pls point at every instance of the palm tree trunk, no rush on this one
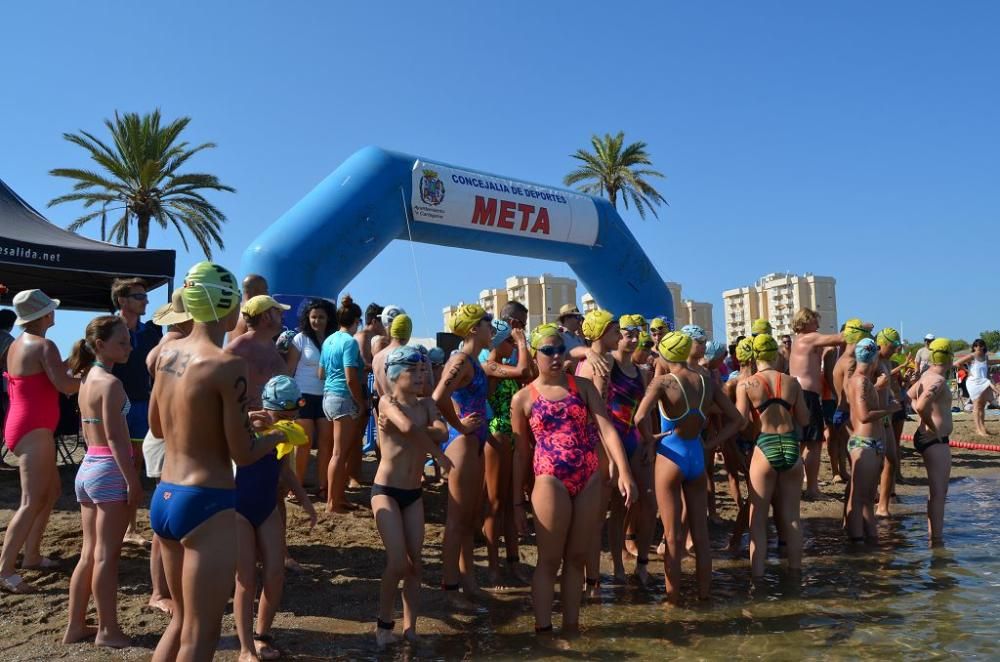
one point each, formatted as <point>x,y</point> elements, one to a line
<point>613,197</point>
<point>142,225</point>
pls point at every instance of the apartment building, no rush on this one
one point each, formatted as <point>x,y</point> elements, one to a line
<point>543,296</point>
<point>686,311</point>
<point>776,297</point>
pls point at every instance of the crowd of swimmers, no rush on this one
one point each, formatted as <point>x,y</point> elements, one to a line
<point>559,430</point>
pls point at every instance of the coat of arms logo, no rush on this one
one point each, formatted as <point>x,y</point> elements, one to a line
<point>431,188</point>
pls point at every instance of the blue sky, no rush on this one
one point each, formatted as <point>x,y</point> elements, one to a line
<point>857,140</point>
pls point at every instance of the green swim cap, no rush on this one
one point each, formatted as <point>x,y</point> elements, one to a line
<point>744,350</point>
<point>675,347</point>
<point>941,351</point>
<point>888,336</point>
<point>465,318</point>
<point>765,347</point>
<point>596,323</point>
<point>760,326</point>
<point>541,332</point>
<point>210,292</point>
<point>401,327</point>
<point>854,331</point>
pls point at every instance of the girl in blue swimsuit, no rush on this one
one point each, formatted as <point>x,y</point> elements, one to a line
<point>682,396</point>
<point>461,399</point>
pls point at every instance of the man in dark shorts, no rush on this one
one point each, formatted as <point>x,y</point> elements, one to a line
<point>130,299</point>
<point>805,364</point>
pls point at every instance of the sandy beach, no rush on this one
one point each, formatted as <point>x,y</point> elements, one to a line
<point>329,610</point>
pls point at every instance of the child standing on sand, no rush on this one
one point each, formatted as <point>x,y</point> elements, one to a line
<point>410,429</point>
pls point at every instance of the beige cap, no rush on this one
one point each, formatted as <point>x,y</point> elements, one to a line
<point>569,310</point>
<point>173,312</point>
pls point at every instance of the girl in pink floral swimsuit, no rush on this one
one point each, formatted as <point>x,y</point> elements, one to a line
<point>564,438</point>
<point>556,414</point>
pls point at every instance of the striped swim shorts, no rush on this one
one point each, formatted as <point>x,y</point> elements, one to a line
<point>99,480</point>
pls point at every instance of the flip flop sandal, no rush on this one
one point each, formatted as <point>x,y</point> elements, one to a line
<point>268,651</point>
<point>15,584</point>
<point>45,564</point>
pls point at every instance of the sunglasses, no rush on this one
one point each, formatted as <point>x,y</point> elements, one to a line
<point>514,323</point>
<point>552,350</point>
<point>138,296</point>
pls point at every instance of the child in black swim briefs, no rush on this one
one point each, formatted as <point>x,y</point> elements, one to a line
<point>410,430</point>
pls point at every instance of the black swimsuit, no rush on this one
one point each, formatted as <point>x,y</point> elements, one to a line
<point>404,498</point>
<point>923,444</point>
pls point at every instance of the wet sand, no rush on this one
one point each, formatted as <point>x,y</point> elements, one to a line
<point>329,610</point>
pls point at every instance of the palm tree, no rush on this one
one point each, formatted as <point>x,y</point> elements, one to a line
<point>139,178</point>
<point>612,170</point>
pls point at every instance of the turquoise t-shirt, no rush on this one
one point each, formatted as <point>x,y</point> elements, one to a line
<point>339,351</point>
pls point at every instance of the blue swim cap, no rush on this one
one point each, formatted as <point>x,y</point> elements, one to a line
<point>281,393</point>
<point>714,349</point>
<point>694,332</point>
<point>865,350</point>
<point>501,331</point>
<point>400,359</point>
<point>436,355</point>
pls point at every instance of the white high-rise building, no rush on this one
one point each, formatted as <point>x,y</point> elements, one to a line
<point>776,297</point>
<point>686,311</point>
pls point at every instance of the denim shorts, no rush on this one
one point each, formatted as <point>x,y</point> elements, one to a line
<point>338,406</point>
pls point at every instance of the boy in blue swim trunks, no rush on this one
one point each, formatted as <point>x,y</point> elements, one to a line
<point>260,525</point>
<point>199,406</point>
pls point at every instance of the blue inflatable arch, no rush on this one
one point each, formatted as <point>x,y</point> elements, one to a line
<point>375,196</point>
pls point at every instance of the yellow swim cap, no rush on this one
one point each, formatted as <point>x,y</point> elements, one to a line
<point>760,326</point>
<point>854,330</point>
<point>465,319</point>
<point>595,323</point>
<point>401,327</point>
<point>645,340</point>
<point>941,352</point>
<point>744,350</point>
<point>295,435</point>
<point>659,323</point>
<point>675,347</point>
<point>632,322</point>
<point>541,332</point>
<point>888,336</point>
<point>765,347</point>
<point>210,292</point>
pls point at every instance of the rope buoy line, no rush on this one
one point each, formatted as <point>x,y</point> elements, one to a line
<point>958,443</point>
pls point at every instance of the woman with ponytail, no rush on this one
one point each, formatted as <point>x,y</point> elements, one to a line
<point>341,366</point>
<point>107,483</point>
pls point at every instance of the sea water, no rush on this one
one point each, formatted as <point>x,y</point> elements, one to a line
<point>900,599</point>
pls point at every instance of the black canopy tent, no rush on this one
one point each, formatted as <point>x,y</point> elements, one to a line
<point>78,271</point>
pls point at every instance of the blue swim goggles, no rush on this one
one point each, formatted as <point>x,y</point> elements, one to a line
<point>405,355</point>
